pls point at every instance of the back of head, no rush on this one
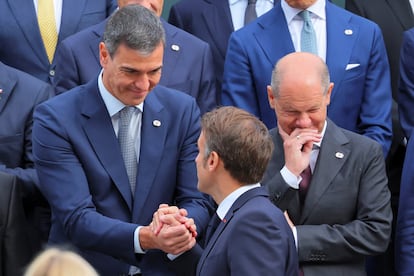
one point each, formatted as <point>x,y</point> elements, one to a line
<point>136,27</point>
<point>241,140</point>
<point>58,262</point>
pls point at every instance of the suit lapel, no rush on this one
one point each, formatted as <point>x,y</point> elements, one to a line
<point>7,85</point>
<point>333,154</point>
<point>403,12</point>
<point>29,26</point>
<point>153,138</point>
<point>226,221</point>
<point>99,130</point>
<point>72,11</point>
<point>339,32</point>
<point>273,36</point>
<point>218,17</point>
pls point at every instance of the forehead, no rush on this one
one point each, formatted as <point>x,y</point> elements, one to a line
<point>125,55</point>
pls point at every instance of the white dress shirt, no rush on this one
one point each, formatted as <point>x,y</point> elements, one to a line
<point>238,8</point>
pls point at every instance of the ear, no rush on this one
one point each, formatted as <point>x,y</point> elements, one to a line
<point>271,97</point>
<point>328,94</point>
<point>213,161</point>
<point>103,55</point>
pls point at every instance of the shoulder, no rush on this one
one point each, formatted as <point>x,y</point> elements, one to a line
<point>176,34</point>
<point>170,98</point>
<point>27,85</point>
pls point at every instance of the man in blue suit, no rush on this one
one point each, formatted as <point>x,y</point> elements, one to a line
<point>21,43</point>
<point>187,66</point>
<point>352,47</point>
<point>248,235</point>
<point>20,93</point>
<point>81,165</point>
<point>212,21</point>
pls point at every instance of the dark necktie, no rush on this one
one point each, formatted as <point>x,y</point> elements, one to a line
<point>308,35</point>
<point>304,184</point>
<point>211,228</point>
<point>127,143</point>
<point>250,13</point>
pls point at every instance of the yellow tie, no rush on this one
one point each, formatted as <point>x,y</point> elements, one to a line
<point>47,26</point>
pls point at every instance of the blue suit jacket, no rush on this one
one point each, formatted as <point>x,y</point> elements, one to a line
<point>21,94</point>
<point>404,247</point>
<point>406,88</point>
<point>82,174</point>
<point>254,239</point>
<point>187,64</point>
<point>209,20</point>
<point>21,43</point>
<point>361,98</point>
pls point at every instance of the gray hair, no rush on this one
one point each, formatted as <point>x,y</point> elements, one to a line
<point>136,27</point>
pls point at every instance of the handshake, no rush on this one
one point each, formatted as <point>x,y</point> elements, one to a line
<point>170,231</point>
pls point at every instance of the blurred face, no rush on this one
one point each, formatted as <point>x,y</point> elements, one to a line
<point>300,4</point>
<point>300,104</point>
<point>129,76</point>
<point>153,5</point>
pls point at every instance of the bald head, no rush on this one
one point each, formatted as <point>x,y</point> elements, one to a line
<point>300,68</point>
<point>300,92</point>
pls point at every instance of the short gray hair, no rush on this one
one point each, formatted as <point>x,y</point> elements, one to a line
<point>136,27</point>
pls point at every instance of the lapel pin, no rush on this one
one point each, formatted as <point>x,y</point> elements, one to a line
<point>175,47</point>
<point>224,220</point>
<point>156,123</point>
<point>1,91</point>
<point>339,155</point>
<point>348,32</point>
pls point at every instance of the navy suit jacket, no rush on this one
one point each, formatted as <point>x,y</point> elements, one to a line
<point>254,239</point>
<point>404,247</point>
<point>346,214</point>
<point>406,88</point>
<point>187,64</point>
<point>21,43</point>
<point>361,97</point>
<point>209,20</point>
<point>82,174</point>
<point>21,94</point>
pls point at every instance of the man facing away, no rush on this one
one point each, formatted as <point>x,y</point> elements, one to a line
<point>247,235</point>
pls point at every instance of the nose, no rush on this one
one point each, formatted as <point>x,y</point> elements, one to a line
<point>142,82</point>
<point>303,120</point>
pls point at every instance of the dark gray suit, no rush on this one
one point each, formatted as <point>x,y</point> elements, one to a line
<point>347,213</point>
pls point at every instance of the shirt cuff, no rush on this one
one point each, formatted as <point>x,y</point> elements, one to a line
<point>291,179</point>
<point>137,246</point>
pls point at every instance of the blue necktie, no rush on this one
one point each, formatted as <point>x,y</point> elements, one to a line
<point>250,13</point>
<point>307,36</point>
<point>127,143</point>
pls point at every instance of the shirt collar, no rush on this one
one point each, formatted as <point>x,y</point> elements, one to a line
<point>318,9</point>
<point>113,105</point>
<point>226,204</point>
<point>323,134</point>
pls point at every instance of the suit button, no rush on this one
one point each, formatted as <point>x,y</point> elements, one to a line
<point>52,72</point>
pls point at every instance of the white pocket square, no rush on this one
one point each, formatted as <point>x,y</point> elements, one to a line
<point>351,66</point>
